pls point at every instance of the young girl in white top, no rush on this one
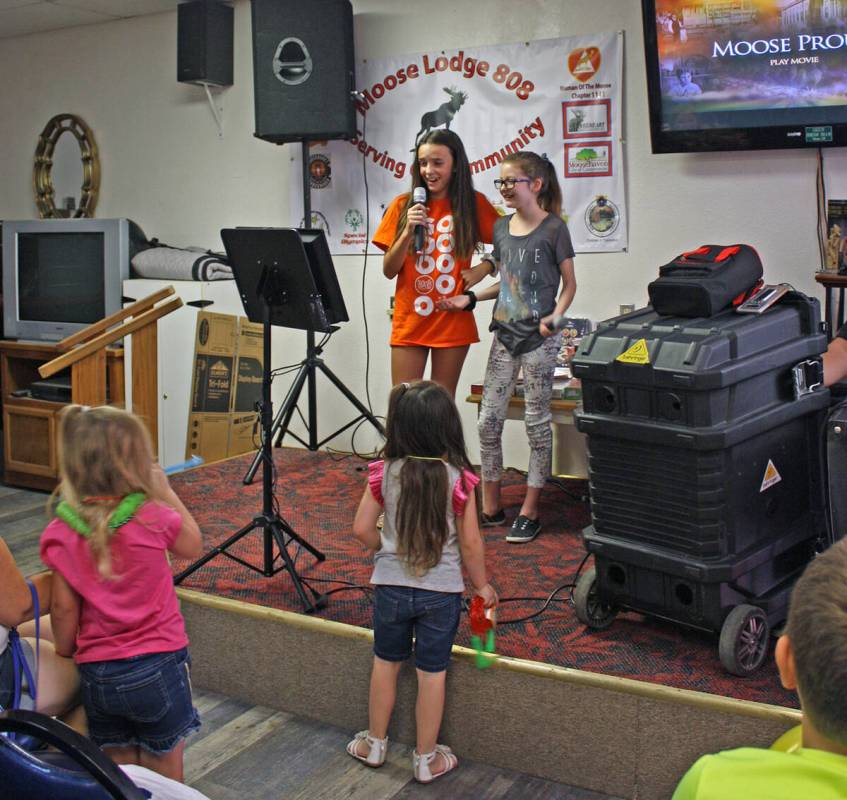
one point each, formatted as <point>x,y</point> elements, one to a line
<point>425,487</point>
<point>535,255</point>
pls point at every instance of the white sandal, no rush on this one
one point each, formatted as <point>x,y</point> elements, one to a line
<point>422,761</point>
<point>377,749</point>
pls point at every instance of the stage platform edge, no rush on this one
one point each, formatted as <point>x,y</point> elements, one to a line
<point>613,735</point>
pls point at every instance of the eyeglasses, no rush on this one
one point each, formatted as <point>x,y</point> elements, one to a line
<point>509,183</point>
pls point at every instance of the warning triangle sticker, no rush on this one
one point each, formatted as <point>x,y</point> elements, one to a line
<point>772,477</point>
<point>636,354</point>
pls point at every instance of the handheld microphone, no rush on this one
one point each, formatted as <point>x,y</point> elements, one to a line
<point>419,196</point>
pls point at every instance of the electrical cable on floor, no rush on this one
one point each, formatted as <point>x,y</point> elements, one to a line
<point>349,586</point>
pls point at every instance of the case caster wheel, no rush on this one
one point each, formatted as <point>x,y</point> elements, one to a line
<point>589,610</point>
<point>744,640</point>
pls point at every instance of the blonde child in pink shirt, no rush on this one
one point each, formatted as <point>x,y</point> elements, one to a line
<point>114,608</point>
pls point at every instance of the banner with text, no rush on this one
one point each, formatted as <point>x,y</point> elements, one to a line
<point>559,97</point>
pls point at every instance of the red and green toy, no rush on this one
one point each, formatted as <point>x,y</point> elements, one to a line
<point>482,621</point>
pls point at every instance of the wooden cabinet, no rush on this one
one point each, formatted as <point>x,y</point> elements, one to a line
<point>29,425</point>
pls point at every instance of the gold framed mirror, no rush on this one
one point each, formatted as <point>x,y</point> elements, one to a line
<point>54,160</point>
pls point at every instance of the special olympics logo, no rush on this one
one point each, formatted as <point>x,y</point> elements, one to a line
<point>602,217</point>
<point>354,218</point>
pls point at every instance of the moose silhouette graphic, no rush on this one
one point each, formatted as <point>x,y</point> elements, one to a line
<point>576,120</point>
<point>443,115</point>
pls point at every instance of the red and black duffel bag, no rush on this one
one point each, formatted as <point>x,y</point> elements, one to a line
<point>707,280</point>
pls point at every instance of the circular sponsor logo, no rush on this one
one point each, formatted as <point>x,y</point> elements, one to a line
<point>424,284</point>
<point>444,243</point>
<point>445,224</point>
<point>602,217</point>
<point>318,222</point>
<point>445,284</point>
<point>320,171</point>
<point>584,62</point>
<point>424,306</point>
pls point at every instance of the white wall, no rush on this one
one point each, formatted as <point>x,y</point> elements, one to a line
<point>164,165</point>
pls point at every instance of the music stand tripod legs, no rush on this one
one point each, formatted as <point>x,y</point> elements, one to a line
<point>274,528</point>
<point>307,373</point>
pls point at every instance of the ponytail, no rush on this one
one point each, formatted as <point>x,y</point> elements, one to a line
<point>536,166</point>
<point>550,196</point>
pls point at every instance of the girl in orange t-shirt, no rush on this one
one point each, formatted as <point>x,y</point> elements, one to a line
<point>456,219</point>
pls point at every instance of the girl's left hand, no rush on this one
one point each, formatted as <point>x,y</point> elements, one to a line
<point>457,303</point>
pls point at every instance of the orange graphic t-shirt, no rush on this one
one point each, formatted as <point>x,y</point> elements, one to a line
<point>435,273</point>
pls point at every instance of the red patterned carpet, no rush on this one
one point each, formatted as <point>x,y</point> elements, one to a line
<point>318,495</point>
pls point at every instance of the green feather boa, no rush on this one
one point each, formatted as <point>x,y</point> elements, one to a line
<point>122,514</point>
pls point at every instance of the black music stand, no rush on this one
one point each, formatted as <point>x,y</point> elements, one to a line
<point>276,286</point>
<point>322,305</point>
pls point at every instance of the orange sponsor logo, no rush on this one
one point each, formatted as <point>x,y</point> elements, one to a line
<point>583,63</point>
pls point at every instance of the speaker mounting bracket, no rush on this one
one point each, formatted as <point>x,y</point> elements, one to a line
<point>217,108</point>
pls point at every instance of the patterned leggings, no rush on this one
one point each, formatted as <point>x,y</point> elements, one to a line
<point>500,377</point>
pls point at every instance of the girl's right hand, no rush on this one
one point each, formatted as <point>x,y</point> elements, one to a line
<point>488,595</point>
<point>416,215</point>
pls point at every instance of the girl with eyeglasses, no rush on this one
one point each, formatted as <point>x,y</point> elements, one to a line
<point>455,218</point>
<point>537,285</point>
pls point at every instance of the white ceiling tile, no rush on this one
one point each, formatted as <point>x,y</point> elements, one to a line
<point>6,4</point>
<point>44,17</point>
<point>122,8</point>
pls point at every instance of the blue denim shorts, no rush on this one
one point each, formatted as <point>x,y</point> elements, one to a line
<point>143,700</point>
<point>433,618</point>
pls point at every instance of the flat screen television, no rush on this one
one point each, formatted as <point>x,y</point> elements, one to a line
<point>60,275</point>
<point>746,74</point>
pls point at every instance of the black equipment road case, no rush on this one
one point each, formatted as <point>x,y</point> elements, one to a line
<point>705,467</point>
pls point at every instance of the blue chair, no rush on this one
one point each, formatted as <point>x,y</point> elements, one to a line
<point>81,771</point>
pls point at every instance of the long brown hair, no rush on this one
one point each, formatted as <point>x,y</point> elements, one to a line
<point>461,191</point>
<point>104,455</point>
<point>535,166</point>
<point>423,427</point>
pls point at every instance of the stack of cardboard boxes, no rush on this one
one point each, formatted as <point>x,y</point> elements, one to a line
<point>226,386</point>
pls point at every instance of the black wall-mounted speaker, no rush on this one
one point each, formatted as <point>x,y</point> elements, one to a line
<point>204,43</point>
<point>303,70</point>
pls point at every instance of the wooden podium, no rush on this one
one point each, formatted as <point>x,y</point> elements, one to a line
<point>97,376</point>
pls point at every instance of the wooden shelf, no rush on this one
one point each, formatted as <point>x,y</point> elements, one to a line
<point>29,425</point>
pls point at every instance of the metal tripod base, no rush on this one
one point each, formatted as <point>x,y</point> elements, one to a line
<point>274,530</point>
<point>308,368</point>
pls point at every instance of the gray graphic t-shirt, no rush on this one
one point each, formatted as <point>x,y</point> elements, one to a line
<point>529,280</point>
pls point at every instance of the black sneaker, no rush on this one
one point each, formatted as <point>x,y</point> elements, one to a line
<point>523,529</point>
<point>494,520</point>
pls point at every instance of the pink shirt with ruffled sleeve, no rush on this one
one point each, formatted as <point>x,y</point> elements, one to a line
<point>135,611</point>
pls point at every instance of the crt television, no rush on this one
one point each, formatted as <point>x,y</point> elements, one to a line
<point>60,275</point>
<point>746,74</point>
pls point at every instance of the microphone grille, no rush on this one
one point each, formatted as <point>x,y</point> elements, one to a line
<point>419,195</point>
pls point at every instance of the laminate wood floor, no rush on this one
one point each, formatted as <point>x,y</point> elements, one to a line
<point>246,752</point>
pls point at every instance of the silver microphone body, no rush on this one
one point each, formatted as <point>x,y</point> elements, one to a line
<point>419,196</point>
